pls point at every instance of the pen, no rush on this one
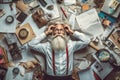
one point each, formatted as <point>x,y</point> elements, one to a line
<point>63,12</point>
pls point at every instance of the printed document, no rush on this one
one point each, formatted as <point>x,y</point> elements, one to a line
<point>89,22</point>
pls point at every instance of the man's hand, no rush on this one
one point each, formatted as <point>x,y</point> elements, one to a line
<point>49,29</point>
<point>67,29</point>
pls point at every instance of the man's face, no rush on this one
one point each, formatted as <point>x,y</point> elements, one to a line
<point>59,30</point>
<point>59,40</point>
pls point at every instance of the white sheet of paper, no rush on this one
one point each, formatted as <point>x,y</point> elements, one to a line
<point>84,64</point>
<point>69,2</point>
<point>72,21</point>
<point>102,71</point>
<point>86,75</point>
<point>54,13</point>
<point>89,22</point>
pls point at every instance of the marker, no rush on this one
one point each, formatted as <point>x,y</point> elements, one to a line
<point>63,12</point>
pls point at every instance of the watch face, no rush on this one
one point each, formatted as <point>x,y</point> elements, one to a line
<point>9,19</point>
<point>23,33</point>
<point>15,70</point>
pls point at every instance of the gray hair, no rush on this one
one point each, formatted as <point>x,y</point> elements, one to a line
<point>57,22</point>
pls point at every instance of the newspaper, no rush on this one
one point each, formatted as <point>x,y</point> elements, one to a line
<point>89,22</point>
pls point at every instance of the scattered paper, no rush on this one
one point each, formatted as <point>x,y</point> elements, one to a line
<point>86,75</point>
<point>72,21</point>
<point>4,27</point>
<point>69,2</point>
<point>54,13</point>
<point>89,22</point>
<point>84,64</point>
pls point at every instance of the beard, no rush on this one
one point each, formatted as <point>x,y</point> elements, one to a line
<point>59,42</point>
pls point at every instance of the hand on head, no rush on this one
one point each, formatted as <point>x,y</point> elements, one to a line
<point>49,29</point>
<point>59,29</point>
<point>68,29</point>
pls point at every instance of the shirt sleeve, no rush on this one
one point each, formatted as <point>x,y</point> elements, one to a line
<point>82,42</point>
<point>36,44</point>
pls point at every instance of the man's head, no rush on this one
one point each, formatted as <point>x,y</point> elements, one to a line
<point>59,30</point>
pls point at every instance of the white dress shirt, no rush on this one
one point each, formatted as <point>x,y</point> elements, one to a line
<point>60,56</point>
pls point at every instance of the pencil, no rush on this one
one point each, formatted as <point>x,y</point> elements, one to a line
<point>63,12</point>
